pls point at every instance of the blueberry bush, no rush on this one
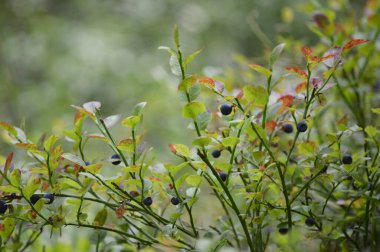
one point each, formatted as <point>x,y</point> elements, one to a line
<point>291,160</point>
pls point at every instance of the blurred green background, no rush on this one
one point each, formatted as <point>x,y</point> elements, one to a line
<point>57,53</point>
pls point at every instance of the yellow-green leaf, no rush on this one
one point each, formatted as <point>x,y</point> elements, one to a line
<point>257,96</point>
<point>193,109</point>
<point>260,69</point>
<point>131,121</point>
<point>230,141</point>
<point>371,131</point>
<point>194,180</point>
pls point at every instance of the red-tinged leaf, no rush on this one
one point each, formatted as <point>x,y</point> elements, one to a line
<point>172,148</point>
<point>306,51</point>
<point>300,87</point>
<point>209,82</point>
<point>287,100</point>
<point>326,57</point>
<point>314,58</point>
<point>331,61</point>
<point>85,112</point>
<point>8,127</point>
<point>343,120</point>
<point>79,115</point>
<point>353,43</point>
<point>270,125</point>
<point>28,146</point>
<point>297,71</point>
<point>154,179</point>
<point>8,162</point>
<point>260,69</point>
<point>96,136</point>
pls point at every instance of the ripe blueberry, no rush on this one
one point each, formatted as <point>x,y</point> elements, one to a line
<point>225,109</point>
<point>34,198</point>
<point>49,196</point>
<point>287,128</point>
<point>115,159</point>
<point>175,201</point>
<point>223,176</point>
<point>283,230</point>
<point>302,126</point>
<point>216,153</point>
<point>347,159</point>
<point>310,221</point>
<point>87,162</point>
<point>148,201</point>
<point>3,206</point>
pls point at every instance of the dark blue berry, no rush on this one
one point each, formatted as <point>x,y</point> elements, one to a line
<point>302,126</point>
<point>34,198</point>
<point>115,159</point>
<point>347,159</point>
<point>310,221</point>
<point>148,201</point>
<point>3,206</point>
<point>223,176</point>
<point>216,153</point>
<point>87,162</point>
<point>49,196</point>
<point>226,109</point>
<point>283,230</point>
<point>175,201</point>
<point>287,128</point>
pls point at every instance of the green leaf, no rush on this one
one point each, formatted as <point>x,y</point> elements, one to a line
<point>15,177</point>
<point>131,121</point>
<point>371,131</point>
<point>73,158</point>
<point>203,120</point>
<point>126,145</point>
<point>138,109</point>
<point>194,180</point>
<point>168,49</point>
<point>257,96</point>
<point>194,92</point>
<point>93,168</point>
<point>101,217</point>
<point>71,136</point>
<point>193,109</point>
<point>191,57</point>
<point>179,181</point>
<point>230,141</point>
<point>276,52</point>
<point>182,150</point>
<point>174,169</point>
<point>201,141</point>
<point>188,82</point>
<point>32,185</point>
<point>224,166</point>
<point>256,130</point>
<point>9,189</point>
<point>50,142</point>
<point>8,227</point>
<point>260,69</point>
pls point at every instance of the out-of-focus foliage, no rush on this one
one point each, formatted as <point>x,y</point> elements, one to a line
<point>57,53</point>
